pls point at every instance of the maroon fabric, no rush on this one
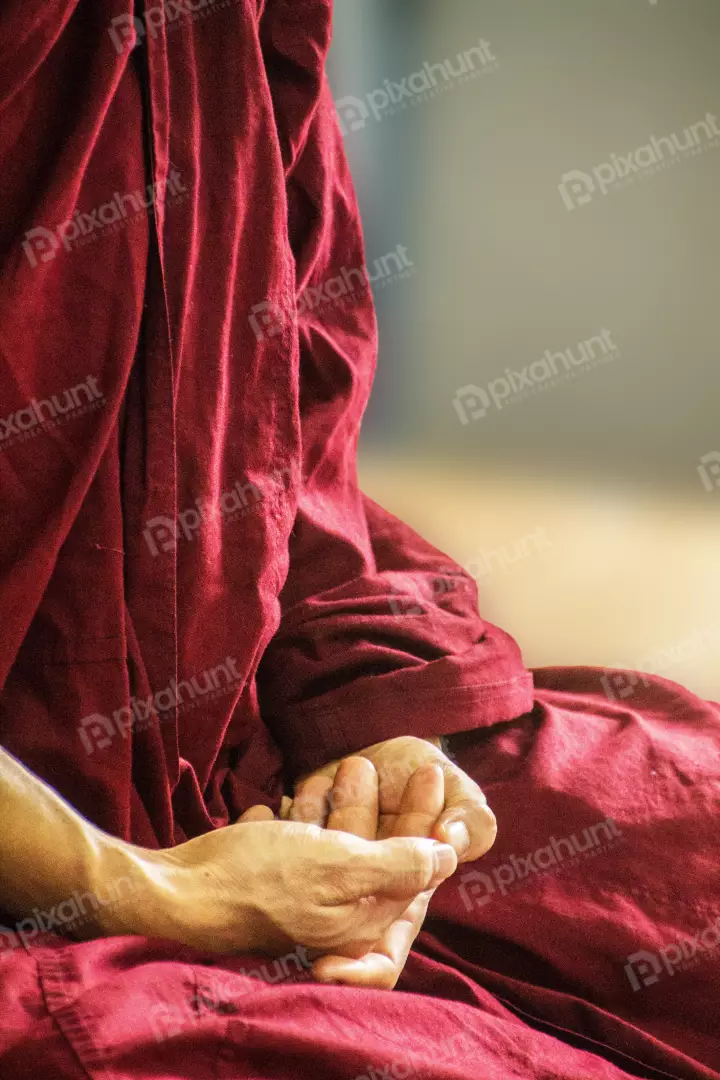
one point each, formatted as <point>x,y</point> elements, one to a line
<point>217,514</point>
<point>585,945</point>
<point>194,593</point>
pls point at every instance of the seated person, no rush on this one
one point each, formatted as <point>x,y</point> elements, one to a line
<point>241,762</point>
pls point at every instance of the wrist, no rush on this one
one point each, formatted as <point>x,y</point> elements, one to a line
<point>173,893</point>
<point>131,891</point>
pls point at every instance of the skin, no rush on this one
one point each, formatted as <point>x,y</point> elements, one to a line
<point>349,874</point>
<point>354,807</point>
<point>417,791</point>
<point>256,885</point>
<point>465,819</point>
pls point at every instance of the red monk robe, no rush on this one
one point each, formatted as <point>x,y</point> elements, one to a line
<point>193,591</point>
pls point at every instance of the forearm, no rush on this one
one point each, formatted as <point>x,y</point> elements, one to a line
<point>49,854</point>
<point>256,885</point>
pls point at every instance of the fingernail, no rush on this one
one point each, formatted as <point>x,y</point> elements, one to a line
<point>445,864</point>
<point>458,836</point>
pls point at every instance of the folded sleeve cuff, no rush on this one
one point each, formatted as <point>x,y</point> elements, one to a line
<point>316,734</point>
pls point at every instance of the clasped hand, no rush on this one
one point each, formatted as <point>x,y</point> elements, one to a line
<point>349,874</point>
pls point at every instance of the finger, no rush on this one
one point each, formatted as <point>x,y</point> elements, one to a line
<point>471,830</point>
<point>354,799</point>
<point>327,770</point>
<point>422,802</point>
<point>311,803</point>
<point>467,822</point>
<point>398,869</point>
<point>285,806</point>
<point>257,813</point>
<point>420,805</point>
<point>382,966</point>
<point>374,970</point>
<point>386,826</point>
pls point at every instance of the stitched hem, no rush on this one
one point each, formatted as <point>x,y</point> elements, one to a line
<point>313,737</point>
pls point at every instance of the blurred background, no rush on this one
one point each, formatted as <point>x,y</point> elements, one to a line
<point>540,186</point>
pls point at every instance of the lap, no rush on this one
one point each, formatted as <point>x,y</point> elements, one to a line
<point>581,946</point>
<point>132,1008</point>
<point>598,908</point>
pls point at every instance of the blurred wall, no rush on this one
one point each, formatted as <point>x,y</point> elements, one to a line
<point>507,266</point>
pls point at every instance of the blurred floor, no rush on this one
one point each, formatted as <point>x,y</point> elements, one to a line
<point>579,572</point>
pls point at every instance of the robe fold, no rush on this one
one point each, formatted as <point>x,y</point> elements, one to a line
<point>197,602</point>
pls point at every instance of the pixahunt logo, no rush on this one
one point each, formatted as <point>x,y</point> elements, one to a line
<point>162,534</point>
<point>42,245</point>
<point>64,918</point>
<point>578,188</point>
<point>474,402</point>
<point>709,471</point>
<point>620,682</point>
<point>219,994</point>
<point>47,413</point>
<point>446,1050</point>
<point>127,31</point>
<point>487,562</point>
<point>477,889</point>
<point>97,732</point>
<point>424,595</point>
<point>425,83</point>
<point>644,968</point>
<point>270,318</point>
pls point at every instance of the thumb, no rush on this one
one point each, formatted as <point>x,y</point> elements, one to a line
<point>401,868</point>
<point>470,827</point>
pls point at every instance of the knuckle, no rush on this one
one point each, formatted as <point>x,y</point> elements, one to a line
<point>420,867</point>
<point>308,807</point>
<point>486,820</point>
